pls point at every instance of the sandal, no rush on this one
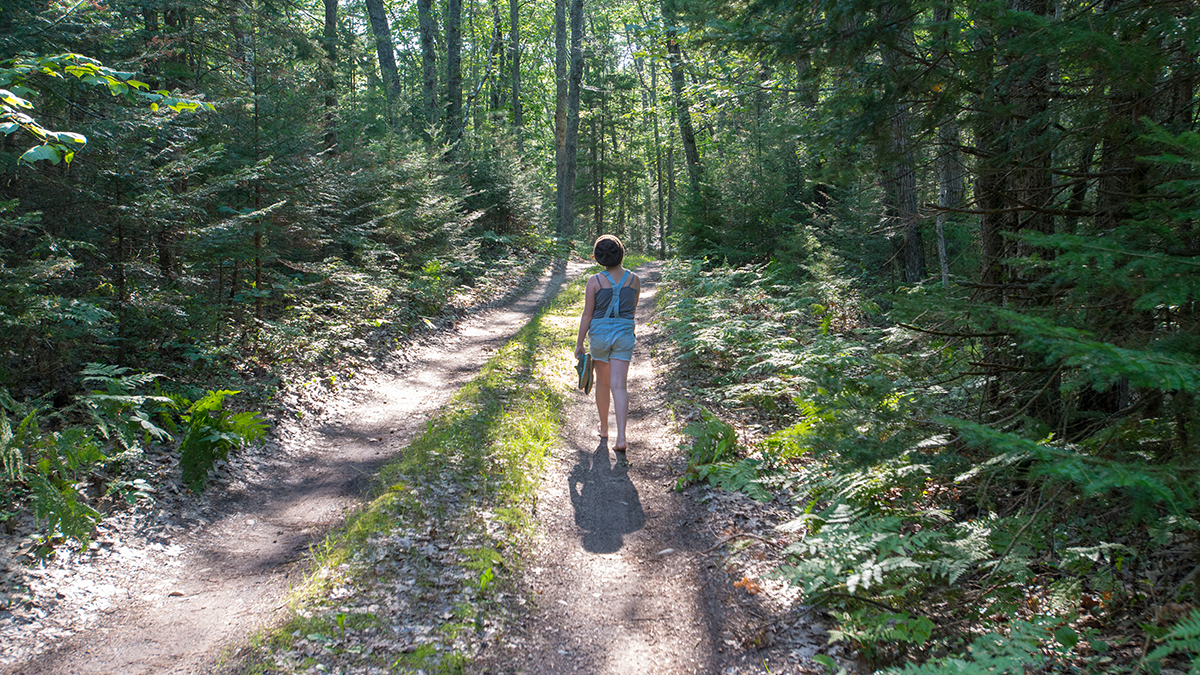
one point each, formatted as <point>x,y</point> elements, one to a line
<point>584,368</point>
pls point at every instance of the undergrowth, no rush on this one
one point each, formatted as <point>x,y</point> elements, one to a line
<point>422,572</point>
<point>936,543</point>
<point>68,460</point>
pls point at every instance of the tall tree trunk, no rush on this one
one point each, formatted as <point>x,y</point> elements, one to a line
<point>454,100</point>
<point>501,54</point>
<point>619,168</point>
<point>175,22</point>
<point>560,115</point>
<point>329,79</point>
<point>514,60</point>
<point>901,166</point>
<point>1122,176</point>
<point>571,146</point>
<point>387,54</point>
<point>950,188</point>
<point>949,158</point>
<point>428,31</point>
<point>119,272</point>
<point>658,169</point>
<point>597,176</point>
<point>687,135</point>
<point>670,192</point>
<point>1032,183</point>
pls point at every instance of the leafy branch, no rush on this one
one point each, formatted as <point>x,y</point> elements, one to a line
<point>17,87</point>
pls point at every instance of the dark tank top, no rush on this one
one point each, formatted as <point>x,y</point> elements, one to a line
<point>604,297</point>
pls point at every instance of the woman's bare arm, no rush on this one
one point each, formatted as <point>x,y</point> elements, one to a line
<point>585,319</point>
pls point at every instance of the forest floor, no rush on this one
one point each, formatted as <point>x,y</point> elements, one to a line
<point>627,574</point>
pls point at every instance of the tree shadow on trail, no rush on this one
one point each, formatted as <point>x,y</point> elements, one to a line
<point>607,505</point>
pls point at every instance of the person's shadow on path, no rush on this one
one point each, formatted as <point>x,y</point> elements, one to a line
<point>607,505</point>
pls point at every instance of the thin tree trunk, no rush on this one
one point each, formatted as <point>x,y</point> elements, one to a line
<point>119,274</point>
<point>597,178</point>
<point>514,60</point>
<point>428,31</point>
<point>501,55</point>
<point>949,162</point>
<point>329,83</point>
<point>686,134</point>
<point>175,24</point>
<point>386,53</point>
<point>1079,189</point>
<point>950,188</point>
<point>560,115</point>
<point>454,116</point>
<point>670,193</point>
<point>658,169</point>
<point>618,165</point>
<point>571,147</point>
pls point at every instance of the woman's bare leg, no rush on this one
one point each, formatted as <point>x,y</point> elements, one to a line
<point>618,375</point>
<point>601,377</point>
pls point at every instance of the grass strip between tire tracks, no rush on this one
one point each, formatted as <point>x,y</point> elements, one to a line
<point>417,580</point>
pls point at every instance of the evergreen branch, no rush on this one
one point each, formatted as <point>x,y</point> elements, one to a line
<point>939,333</point>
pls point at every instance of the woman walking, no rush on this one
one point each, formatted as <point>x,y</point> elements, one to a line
<point>610,302</point>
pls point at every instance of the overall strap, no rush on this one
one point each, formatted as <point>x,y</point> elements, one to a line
<point>614,305</point>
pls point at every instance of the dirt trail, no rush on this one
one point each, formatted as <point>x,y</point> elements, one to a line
<point>172,605</point>
<point>624,579</point>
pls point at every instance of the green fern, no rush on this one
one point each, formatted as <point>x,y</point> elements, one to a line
<point>10,453</point>
<point>1015,653</point>
<point>211,433</point>
<point>60,506</point>
<point>741,476</point>
<point>118,411</point>
<point>1183,638</point>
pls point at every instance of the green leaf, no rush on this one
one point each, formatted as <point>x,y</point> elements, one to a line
<point>1066,636</point>
<point>12,99</point>
<point>47,152</point>
<point>824,660</point>
<point>69,137</point>
<point>8,127</point>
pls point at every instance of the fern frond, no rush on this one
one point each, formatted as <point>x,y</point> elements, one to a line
<point>1183,638</point>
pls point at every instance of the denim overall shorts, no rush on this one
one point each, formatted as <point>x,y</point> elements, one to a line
<point>611,337</point>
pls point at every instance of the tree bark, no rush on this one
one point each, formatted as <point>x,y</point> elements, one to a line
<point>950,188</point>
<point>1032,184</point>
<point>428,34</point>
<point>658,170</point>
<point>501,56</point>
<point>454,102</point>
<point>388,72</point>
<point>687,135</point>
<point>329,83</point>
<point>949,161</point>
<point>514,60</point>
<point>670,192</point>
<point>597,139</point>
<point>900,163</point>
<point>560,114</point>
<point>571,144</point>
